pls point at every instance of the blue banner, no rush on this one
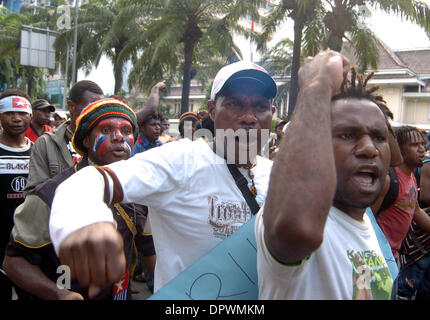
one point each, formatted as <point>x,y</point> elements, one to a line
<point>228,271</point>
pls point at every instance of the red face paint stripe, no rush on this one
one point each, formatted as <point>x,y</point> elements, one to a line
<point>129,143</point>
<point>102,147</point>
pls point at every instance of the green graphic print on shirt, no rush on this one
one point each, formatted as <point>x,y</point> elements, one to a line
<point>370,275</point>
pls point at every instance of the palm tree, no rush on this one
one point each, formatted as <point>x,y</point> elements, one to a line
<point>342,22</point>
<point>30,79</point>
<point>99,33</point>
<point>186,35</point>
<point>9,24</point>
<point>302,12</point>
<point>94,21</point>
<point>278,60</point>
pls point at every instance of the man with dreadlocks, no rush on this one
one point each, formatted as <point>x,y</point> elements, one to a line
<point>396,219</point>
<point>313,236</point>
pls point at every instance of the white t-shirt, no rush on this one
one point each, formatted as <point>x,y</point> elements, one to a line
<point>348,265</point>
<point>193,199</point>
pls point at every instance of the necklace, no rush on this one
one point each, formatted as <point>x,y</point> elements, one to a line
<point>248,168</point>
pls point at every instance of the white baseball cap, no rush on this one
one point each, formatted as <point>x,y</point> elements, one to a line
<point>15,104</point>
<point>244,75</point>
<point>61,114</point>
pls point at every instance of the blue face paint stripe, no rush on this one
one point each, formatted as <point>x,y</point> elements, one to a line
<point>128,142</point>
<point>98,142</point>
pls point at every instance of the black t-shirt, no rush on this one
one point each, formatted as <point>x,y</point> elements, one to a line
<point>13,179</point>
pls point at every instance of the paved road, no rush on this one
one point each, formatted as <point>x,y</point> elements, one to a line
<point>144,291</point>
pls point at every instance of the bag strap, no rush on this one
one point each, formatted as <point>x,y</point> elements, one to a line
<point>417,242</point>
<point>392,193</point>
<point>131,225</point>
<point>118,193</point>
<point>242,184</point>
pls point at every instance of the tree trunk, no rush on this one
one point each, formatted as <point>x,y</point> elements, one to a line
<point>186,82</point>
<point>118,70</point>
<point>334,41</point>
<point>29,87</point>
<point>338,22</point>
<point>29,81</point>
<point>76,75</point>
<point>118,75</point>
<point>295,66</point>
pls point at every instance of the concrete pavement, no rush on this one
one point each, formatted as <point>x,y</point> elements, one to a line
<point>144,291</point>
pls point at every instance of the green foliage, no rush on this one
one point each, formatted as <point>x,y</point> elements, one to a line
<point>274,122</point>
<point>185,40</point>
<point>121,92</point>
<point>323,24</point>
<point>179,41</point>
<point>204,103</point>
<point>164,109</point>
<point>105,28</point>
<point>12,74</point>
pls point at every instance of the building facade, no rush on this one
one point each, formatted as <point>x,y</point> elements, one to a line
<point>403,77</point>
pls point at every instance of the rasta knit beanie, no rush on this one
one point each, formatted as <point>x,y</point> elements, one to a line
<point>97,111</point>
<point>189,116</point>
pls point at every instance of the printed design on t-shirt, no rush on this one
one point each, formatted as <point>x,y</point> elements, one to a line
<point>410,202</point>
<point>226,216</point>
<point>17,171</point>
<point>370,275</point>
<point>11,165</point>
<point>17,185</point>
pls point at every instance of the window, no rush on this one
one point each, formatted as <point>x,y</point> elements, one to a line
<point>411,88</point>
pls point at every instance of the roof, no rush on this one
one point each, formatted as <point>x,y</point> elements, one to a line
<point>417,60</point>
<point>407,64</point>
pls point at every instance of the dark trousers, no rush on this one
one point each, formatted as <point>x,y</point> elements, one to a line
<point>414,281</point>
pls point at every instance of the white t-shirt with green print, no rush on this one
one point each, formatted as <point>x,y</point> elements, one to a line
<point>348,265</point>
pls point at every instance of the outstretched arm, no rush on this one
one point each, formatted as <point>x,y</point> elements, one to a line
<point>425,183</point>
<point>303,178</point>
<point>83,232</point>
<point>32,279</point>
<point>152,103</point>
<point>81,225</point>
<point>421,218</point>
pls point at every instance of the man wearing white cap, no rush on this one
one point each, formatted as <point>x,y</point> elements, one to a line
<point>193,198</point>
<point>59,118</point>
<point>15,117</point>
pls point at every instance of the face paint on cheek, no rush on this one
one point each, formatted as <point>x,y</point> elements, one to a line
<point>100,144</point>
<point>129,144</point>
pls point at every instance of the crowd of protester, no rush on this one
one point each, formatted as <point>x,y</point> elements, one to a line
<point>109,193</point>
